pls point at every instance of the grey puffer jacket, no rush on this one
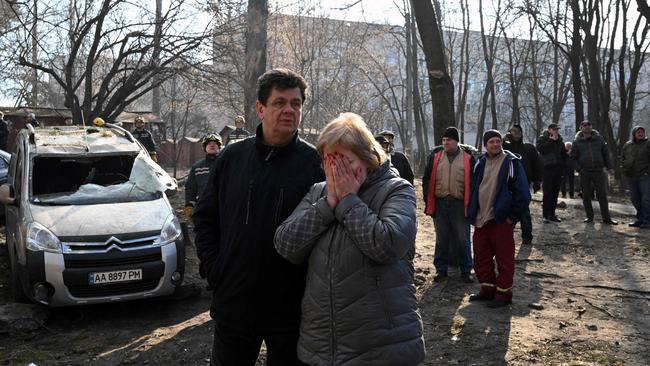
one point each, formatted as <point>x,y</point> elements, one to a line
<point>590,152</point>
<point>359,306</point>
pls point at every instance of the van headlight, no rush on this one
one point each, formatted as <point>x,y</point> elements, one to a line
<point>40,238</point>
<point>171,230</point>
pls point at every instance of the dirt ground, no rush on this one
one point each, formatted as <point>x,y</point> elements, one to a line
<point>591,281</point>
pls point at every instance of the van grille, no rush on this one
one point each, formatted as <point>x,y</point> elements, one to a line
<point>113,289</point>
<point>104,244</point>
<point>81,261</point>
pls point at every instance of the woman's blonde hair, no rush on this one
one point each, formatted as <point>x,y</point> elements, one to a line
<point>349,131</point>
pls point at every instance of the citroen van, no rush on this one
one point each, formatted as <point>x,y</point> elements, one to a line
<point>88,219</point>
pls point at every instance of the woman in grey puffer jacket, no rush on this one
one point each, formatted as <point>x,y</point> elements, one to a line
<point>357,230</point>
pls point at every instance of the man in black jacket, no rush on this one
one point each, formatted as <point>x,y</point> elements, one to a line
<point>533,167</point>
<point>254,186</point>
<point>145,137</point>
<point>551,148</point>
<point>592,157</point>
<point>635,161</point>
<point>4,132</point>
<point>200,172</point>
<point>239,133</point>
<point>399,160</point>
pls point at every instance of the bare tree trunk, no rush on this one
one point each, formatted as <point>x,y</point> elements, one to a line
<point>34,34</point>
<point>420,128</point>
<point>256,19</point>
<point>155,92</point>
<point>440,84</point>
<point>627,89</point>
<point>575,58</point>
<point>463,74</point>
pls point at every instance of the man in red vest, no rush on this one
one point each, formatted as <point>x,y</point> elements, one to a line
<point>446,189</point>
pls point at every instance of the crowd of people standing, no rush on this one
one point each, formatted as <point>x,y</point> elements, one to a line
<point>310,249</point>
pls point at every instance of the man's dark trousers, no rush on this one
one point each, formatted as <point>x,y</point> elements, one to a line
<point>552,180</point>
<point>591,180</point>
<point>451,228</point>
<point>237,347</point>
<point>640,190</point>
<point>526,225</point>
<point>568,179</point>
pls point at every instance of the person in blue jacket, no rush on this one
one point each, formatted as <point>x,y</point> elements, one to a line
<point>499,197</point>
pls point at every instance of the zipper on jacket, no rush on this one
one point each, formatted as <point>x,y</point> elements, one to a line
<point>384,303</point>
<point>332,312</point>
<point>248,200</point>
<point>278,208</point>
<point>270,154</point>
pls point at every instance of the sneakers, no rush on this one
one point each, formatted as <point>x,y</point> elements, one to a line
<point>466,278</point>
<point>635,224</point>
<point>496,303</point>
<point>588,220</point>
<point>610,222</point>
<point>440,276</point>
<point>555,219</point>
<point>546,220</point>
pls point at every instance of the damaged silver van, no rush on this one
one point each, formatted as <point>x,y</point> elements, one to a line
<point>88,220</point>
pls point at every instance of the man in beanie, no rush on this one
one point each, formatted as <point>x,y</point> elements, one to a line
<point>399,160</point>
<point>499,197</point>
<point>551,148</point>
<point>446,189</point>
<point>200,172</point>
<point>533,168</point>
<point>635,161</point>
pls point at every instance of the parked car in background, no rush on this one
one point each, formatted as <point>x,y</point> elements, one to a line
<point>88,220</point>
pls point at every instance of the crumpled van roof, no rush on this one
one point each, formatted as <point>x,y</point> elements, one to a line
<point>76,140</point>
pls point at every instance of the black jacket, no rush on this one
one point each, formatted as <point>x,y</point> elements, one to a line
<point>252,189</point>
<point>552,151</point>
<point>401,163</point>
<point>590,152</point>
<point>198,178</point>
<point>4,134</point>
<point>237,135</point>
<point>533,164</point>
<point>145,139</point>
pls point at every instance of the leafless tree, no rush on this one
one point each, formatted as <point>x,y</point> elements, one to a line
<point>255,60</point>
<point>441,86</point>
<point>112,57</point>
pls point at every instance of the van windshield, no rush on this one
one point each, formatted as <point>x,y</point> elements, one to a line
<point>90,180</point>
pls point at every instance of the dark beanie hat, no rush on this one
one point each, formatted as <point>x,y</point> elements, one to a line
<point>490,134</point>
<point>452,133</point>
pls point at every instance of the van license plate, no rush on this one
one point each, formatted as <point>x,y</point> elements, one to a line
<point>98,278</point>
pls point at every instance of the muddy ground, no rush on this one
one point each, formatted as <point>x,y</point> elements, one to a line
<point>591,280</point>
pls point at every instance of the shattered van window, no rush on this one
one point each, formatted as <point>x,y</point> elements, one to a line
<point>86,180</point>
<point>149,176</point>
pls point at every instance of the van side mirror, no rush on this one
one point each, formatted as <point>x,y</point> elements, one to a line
<point>7,194</point>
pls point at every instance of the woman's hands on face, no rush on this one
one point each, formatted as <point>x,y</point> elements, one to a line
<point>346,179</point>
<point>342,177</point>
<point>332,196</point>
